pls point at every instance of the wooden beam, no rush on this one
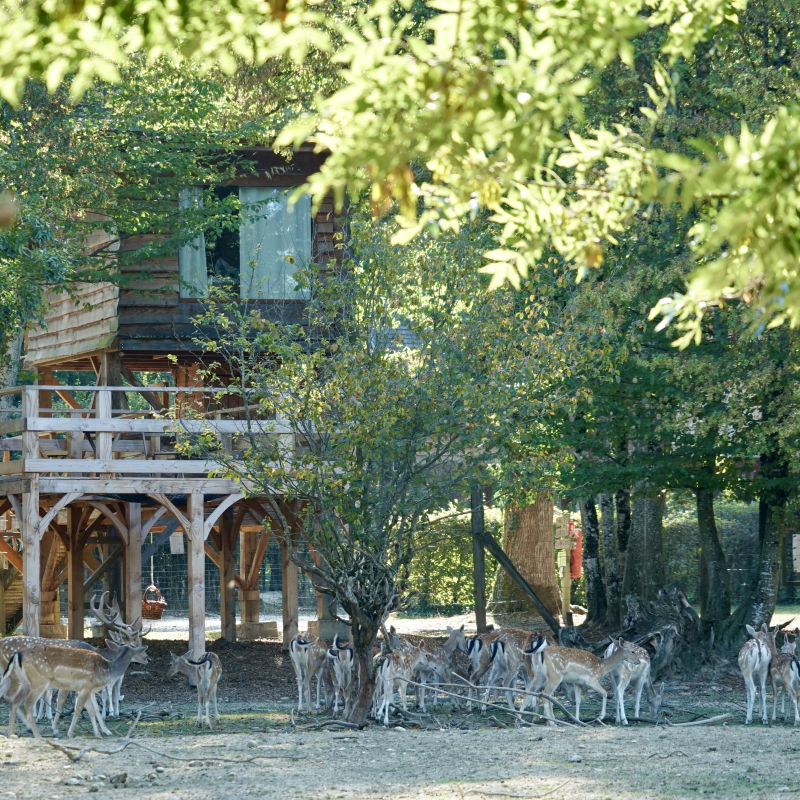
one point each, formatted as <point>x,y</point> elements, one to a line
<point>113,518</point>
<point>75,595</point>
<point>51,514</point>
<point>29,523</point>
<point>148,524</point>
<point>197,577</point>
<point>488,541</point>
<point>169,529</point>
<point>146,426</point>
<point>133,565</point>
<point>219,510</point>
<point>102,567</point>
<point>227,577</point>
<point>258,558</point>
<point>216,558</point>
<point>119,466</point>
<point>249,601</point>
<point>150,397</point>
<point>148,486</point>
<point>12,556</point>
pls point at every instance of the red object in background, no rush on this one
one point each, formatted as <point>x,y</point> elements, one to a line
<point>576,555</point>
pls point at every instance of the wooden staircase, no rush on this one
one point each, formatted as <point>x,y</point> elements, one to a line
<point>13,600</point>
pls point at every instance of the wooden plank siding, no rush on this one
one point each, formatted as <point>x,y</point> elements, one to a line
<point>144,318</point>
<point>84,322</point>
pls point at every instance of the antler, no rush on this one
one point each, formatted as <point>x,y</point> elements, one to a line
<point>98,611</point>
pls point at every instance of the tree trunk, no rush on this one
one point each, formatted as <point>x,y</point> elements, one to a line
<point>362,688</point>
<point>592,576</point>
<point>623,502</point>
<point>529,542</point>
<point>614,613</point>
<point>758,605</point>
<point>717,604</point>
<point>644,561</point>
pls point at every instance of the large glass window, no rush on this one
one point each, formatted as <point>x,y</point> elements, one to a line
<point>275,242</point>
<point>192,256</point>
<point>255,251</point>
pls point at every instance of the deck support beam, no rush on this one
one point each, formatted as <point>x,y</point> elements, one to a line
<point>133,565</point>
<point>75,593</point>
<point>250,599</point>
<point>227,576</point>
<point>196,559</point>
<point>31,596</point>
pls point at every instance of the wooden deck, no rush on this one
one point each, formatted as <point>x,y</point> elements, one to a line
<point>92,479</point>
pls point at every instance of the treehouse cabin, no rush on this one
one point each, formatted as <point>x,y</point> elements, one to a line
<point>84,482</point>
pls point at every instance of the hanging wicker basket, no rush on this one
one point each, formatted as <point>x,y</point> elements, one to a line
<point>153,609</point>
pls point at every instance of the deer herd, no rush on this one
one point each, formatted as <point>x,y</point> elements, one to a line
<point>497,660</point>
<point>492,664</point>
<point>33,668</point>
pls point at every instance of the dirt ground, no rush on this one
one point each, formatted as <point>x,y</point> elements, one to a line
<point>449,754</point>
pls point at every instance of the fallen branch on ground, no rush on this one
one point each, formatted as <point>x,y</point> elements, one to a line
<point>514,713</point>
<point>667,755</point>
<point>709,721</point>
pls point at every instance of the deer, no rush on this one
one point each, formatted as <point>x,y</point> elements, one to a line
<point>14,688</point>
<point>397,667</point>
<point>637,674</point>
<point>583,670</point>
<point>439,668</point>
<point>755,658</point>
<point>121,634</point>
<point>13,644</point>
<point>205,672</point>
<point>71,669</point>
<point>505,659</point>
<point>309,659</point>
<point>340,657</point>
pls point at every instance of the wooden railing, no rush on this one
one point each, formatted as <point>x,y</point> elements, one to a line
<point>110,438</point>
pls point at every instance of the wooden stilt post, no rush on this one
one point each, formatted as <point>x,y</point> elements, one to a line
<point>227,576</point>
<point>478,557</point>
<point>30,558</point>
<point>196,559</point>
<point>75,575</point>
<point>250,598</point>
<point>289,597</point>
<point>133,565</point>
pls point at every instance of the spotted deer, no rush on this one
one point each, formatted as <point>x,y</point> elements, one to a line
<point>397,667</point>
<point>52,666</point>
<point>755,658</point>
<point>205,672</point>
<point>340,657</point>
<point>439,664</point>
<point>309,656</point>
<point>583,670</point>
<point>506,661</point>
<point>636,674</point>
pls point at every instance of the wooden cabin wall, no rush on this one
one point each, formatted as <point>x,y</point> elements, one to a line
<point>81,321</point>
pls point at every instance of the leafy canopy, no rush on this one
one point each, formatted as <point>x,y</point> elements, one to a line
<point>489,97</point>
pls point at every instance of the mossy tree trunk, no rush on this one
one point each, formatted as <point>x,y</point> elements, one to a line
<point>528,541</point>
<point>592,575</point>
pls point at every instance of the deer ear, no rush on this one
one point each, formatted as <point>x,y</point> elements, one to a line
<point>462,628</point>
<point>449,630</point>
<point>751,630</point>
<point>764,628</point>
